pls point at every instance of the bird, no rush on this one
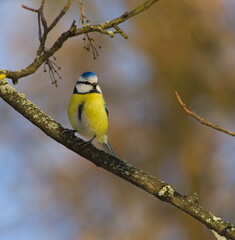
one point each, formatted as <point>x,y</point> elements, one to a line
<point>2,74</point>
<point>88,111</point>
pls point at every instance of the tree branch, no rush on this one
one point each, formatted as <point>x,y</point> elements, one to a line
<point>200,119</point>
<point>123,169</point>
<point>42,55</point>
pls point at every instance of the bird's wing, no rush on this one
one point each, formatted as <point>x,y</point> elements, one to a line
<point>106,108</point>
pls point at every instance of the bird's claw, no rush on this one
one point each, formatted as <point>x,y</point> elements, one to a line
<point>69,133</point>
<point>86,143</point>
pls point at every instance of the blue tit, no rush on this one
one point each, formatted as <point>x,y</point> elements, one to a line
<point>88,112</point>
<point>2,74</point>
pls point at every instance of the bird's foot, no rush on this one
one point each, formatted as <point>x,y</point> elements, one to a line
<point>86,143</point>
<point>69,133</point>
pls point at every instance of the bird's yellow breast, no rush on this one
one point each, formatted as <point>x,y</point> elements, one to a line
<point>93,119</point>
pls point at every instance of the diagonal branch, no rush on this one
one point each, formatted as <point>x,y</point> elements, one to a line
<point>200,119</point>
<point>161,190</point>
<point>72,32</point>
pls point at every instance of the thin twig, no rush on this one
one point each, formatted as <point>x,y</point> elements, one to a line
<point>42,17</point>
<point>42,35</point>
<point>42,4</point>
<point>82,12</point>
<point>61,14</point>
<point>53,71</point>
<point>42,20</point>
<point>91,45</point>
<point>200,119</point>
<point>30,9</point>
<point>119,30</point>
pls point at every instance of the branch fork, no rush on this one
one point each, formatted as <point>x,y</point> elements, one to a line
<point>44,54</point>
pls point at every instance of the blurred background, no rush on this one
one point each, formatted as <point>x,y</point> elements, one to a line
<point>48,192</point>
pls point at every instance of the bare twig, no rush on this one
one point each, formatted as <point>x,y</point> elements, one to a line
<point>30,9</point>
<point>82,12</point>
<point>61,14</point>
<point>200,119</point>
<point>42,35</point>
<point>119,30</point>
<point>91,45</point>
<point>42,4</point>
<point>42,21</point>
<point>161,190</point>
<point>53,71</point>
<point>52,67</point>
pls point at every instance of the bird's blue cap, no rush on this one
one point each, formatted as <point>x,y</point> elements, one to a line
<point>87,75</point>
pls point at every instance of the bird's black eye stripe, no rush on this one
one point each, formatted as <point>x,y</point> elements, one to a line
<point>94,91</point>
<point>87,83</point>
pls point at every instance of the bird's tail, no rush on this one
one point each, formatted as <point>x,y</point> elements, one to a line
<point>108,148</point>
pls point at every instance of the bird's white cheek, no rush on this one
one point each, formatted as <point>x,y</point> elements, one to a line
<point>83,88</point>
<point>98,88</point>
